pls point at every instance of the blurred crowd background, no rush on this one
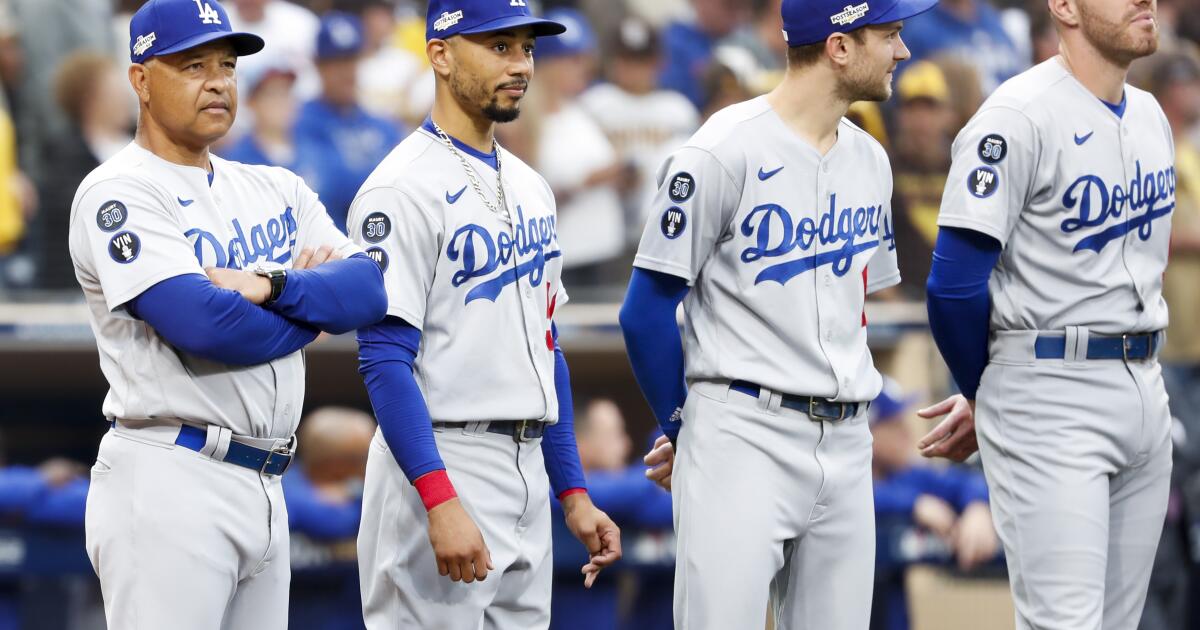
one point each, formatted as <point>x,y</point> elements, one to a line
<point>342,81</point>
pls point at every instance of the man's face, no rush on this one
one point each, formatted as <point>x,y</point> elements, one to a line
<point>1183,98</point>
<point>192,94</point>
<point>490,72</point>
<point>568,75</point>
<point>872,62</point>
<point>893,445</point>
<point>1122,30</point>
<point>339,80</point>
<point>604,445</point>
<point>273,104</point>
<point>638,75</point>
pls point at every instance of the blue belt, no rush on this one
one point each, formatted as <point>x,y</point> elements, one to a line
<point>264,461</point>
<point>816,408</point>
<point>1125,348</point>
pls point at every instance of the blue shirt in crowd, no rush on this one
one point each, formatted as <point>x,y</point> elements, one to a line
<point>981,42</point>
<point>341,148</point>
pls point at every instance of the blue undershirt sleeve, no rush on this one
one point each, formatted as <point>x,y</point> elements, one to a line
<point>336,297</point>
<point>653,343</point>
<point>558,443</point>
<point>958,302</point>
<point>386,353</point>
<point>201,319</point>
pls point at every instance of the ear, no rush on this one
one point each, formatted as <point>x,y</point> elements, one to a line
<point>837,47</point>
<point>139,79</point>
<point>1064,12</point>
<point>441,57</point>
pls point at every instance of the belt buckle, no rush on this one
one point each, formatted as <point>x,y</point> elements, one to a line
<point>519,433</point>
<point>1125,347</point>
<point>812,411</point>
<point>282,451</point>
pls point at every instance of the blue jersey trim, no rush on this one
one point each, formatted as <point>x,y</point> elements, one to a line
<point>487,158</point>
<point>1119,108</point>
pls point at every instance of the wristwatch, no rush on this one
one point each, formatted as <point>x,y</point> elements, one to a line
<point>276,274</point>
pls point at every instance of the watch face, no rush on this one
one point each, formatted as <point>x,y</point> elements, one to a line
<point>267,267</point>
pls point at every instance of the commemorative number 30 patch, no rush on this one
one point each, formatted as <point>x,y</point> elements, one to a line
<point>682,187</point>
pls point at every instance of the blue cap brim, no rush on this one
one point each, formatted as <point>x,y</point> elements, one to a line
<point>541,28</point>
<point>903,10</point>
<point>243,43</point>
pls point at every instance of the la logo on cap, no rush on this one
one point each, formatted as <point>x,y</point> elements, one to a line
<point>850,15</point>
<point>208,15</point>
<point>447,20</point>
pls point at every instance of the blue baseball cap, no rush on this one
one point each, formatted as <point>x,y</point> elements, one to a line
<point>891,403</point>
<point>811,21</point>
<point>576,40</point>
<point>341,35</point>
<point>162,27</point>
<point>447,18</point>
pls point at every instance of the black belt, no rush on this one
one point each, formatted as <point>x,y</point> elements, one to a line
<point>518,430</point>
<point>817,408</point>
<point>1139,347</point>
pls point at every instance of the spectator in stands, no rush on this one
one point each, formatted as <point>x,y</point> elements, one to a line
<point>91,90</point>
<point>643,123</point>
<point>268,102</point>
<point>689,45</point>
<point>632,500</point>
<point>289,30</point>
<point>763,39</point>
<point>1175,81</point>
<point>341,142</point>
<point>920,160</point>
<point>948,502</point>
<point>323,492</point>
<point>49,31</point>
<point>971,31</point>
<point>387,72</point>
<point>577,160</point>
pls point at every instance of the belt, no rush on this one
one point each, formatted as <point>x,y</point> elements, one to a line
<point>816,408</point>
<point>268,462</point>
<point>518,430</point>
<point>1139,347</point>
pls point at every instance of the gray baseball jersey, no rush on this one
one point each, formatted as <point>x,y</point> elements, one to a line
<point>466,278</point>
<point>138,220</point>
<point>1086,197</point>
<point>1077,452</point>
<point>484,293</point>
<point>780,245</point>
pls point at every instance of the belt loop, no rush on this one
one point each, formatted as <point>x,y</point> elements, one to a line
<point>476,428</point>
<point>216,443</point>
<point>775,402</point>
<point>1075,344</point>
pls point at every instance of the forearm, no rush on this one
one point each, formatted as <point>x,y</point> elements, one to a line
<point>959,305</point>
<point>196,316</point>
<point>653,343</point>
<point>386,354</point>
<point>337,296</point>
<point>558,443</point>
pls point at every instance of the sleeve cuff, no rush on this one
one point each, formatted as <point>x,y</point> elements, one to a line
<point>435,489</point>
<point>570,491</point>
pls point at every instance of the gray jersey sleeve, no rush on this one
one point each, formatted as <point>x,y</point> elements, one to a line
<point>696,199</point>
<point>883,270</point>
<point>132,240</point>
<point>995,161</point>
<point>315,228</point>
<point>404,240</point>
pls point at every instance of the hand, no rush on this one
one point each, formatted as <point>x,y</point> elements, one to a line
<point>954,437</point>
<point>935,515</point>
<point>661,460</point>
<point>975,539</point>
<point>596,531</point>
<point>254,288</point>
<point>457,543</point>
<point>307,259</point>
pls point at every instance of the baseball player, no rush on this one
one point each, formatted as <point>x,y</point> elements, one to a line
<point>770,225</point>
<point>465,374</point>
<point>1045,298</point>
<point>203,279</point>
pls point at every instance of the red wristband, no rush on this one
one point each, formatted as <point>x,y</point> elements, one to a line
<point>435,489</point>
<point>568,492</point>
